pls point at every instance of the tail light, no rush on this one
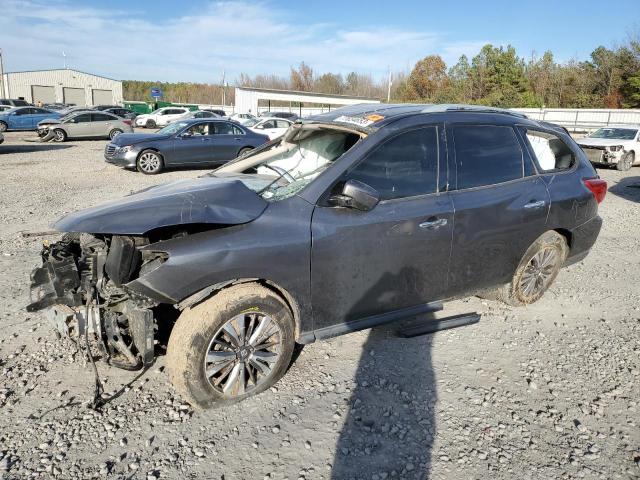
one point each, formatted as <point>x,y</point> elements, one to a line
<point>598,187</point>
<point>128,122</point>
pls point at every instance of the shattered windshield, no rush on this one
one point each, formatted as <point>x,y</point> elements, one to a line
<point>290,166</point>
<point>617,133</point>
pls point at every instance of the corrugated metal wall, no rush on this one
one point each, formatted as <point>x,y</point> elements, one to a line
<point>19,84</point>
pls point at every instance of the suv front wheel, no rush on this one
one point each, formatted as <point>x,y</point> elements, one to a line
<point>236,344</point>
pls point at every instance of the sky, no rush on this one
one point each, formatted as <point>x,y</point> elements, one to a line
<point>198,40</point>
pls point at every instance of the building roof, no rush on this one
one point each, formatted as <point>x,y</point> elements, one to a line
<point>62,70</point>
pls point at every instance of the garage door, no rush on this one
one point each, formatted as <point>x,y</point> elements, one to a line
<point>42,94</point>
<point>102,97</point>
<point>75,96</point>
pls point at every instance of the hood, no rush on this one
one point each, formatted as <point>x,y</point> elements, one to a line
<point>601,142</point>
<point>209,200</point>
<point>133,138</point>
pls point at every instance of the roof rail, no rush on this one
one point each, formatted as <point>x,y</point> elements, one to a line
<point>452,107</point>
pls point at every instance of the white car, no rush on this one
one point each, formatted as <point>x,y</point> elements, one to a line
<point>272,127</point>
<point>614,145</point>
<point>245,119</point>
<point>160,117</point>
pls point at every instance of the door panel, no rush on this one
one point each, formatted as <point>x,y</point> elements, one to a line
<point>396,255</point>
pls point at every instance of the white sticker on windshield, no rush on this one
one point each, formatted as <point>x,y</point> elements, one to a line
<point>363,122</point>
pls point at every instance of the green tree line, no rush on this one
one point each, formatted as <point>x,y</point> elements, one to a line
<point>495,76</point>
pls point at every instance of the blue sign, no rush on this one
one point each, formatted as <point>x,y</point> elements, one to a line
<point>156,92</point>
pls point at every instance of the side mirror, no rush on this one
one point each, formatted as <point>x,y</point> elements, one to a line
<point>357,195</point>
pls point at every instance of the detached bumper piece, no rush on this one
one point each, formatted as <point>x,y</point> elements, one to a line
<point>432,326</point>
<point>56,282</point>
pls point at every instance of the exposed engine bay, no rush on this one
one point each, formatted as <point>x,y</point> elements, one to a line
<point>83,284</point>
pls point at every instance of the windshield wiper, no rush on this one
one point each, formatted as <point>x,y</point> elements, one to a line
<point>281,173</point>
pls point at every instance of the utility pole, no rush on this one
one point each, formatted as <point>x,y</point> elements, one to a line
<point>389,87</point>
<point>1,76</point>
<point>64,57</point>
<point>224,93</point>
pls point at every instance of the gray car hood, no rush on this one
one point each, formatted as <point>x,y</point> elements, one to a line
<point>133,138</point>
<point>225,201</point>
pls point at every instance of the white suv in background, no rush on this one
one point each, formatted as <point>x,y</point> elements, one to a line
<point>161,117</point>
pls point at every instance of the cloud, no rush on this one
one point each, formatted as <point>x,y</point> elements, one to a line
<point>232,36</point>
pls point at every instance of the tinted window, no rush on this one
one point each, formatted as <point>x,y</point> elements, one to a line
<point>549,151</point>
<point>23,111</point>
<point>223,128</point>
<point>405,166</point>
<point>20,103</point>
<point>101,117</point>
<point>237,130</point>
<point>199,129</point>
<point>269,124</point>
<point>40,111</point>
<point>282,124</point>
<point>85,117</point>
<point>486,155</point>
<point>5,102</point>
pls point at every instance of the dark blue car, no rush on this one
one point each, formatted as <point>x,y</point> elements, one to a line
<point>193,142</point>
<point>24,118</point>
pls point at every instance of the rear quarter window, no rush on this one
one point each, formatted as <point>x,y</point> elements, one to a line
<point>486,155</point>
<point>548,151</point>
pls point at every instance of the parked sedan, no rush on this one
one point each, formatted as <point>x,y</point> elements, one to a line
<point>244,118</point>
<point>198,114</point>
<point>122,112</point>
<point>84,124</point>
<point>288,115</point>
<point>195,142</point>
<point>272,127</point>
<point>24,118</point>
<point>619,146</point>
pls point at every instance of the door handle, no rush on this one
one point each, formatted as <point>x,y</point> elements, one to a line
<point>238,139</point>
<point>534,205</point>
<point>433,223</point>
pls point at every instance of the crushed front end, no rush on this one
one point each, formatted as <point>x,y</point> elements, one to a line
<point>82,284</point>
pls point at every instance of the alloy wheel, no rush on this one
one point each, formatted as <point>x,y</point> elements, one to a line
<point>539,272</point>
<point>243,353</point>
<point>149,162</point>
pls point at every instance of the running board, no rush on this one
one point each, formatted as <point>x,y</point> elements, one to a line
<point>432,326</point>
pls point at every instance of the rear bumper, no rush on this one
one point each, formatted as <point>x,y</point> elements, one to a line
<point>582,239</point>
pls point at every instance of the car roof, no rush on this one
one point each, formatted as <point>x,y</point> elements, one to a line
<point>631,127</point>
<point>391,112</point>
<point>264,119</point>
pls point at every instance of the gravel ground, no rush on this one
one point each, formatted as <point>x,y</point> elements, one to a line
<point>546,391</point>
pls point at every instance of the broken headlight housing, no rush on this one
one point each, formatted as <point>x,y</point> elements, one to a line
<point>615,148</point>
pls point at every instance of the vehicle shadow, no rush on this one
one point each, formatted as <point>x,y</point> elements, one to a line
<point>36,147</point>
<point>627,188</point>
<point>390,425</point>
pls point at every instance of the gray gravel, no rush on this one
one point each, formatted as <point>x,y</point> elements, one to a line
<point>547,391</point>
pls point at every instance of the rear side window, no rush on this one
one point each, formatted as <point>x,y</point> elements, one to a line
<point>405,166</point>
<point>101,117</point>
<point>549,151</point>
<point>486,155</point>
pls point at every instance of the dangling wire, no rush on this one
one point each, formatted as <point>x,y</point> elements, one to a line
<point>98,388</point>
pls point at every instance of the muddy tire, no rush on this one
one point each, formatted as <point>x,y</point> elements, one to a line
<point>59,135</point>
<point>626,162</point>
<point>536,271</point>
<point>150,124</point>
<point>149,162</point>
<point>234,345</point>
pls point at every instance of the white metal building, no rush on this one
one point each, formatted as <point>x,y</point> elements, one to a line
<point>247,99</point>
<point>61,86</point>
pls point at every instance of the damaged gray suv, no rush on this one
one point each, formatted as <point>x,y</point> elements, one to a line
<point>357,217</point>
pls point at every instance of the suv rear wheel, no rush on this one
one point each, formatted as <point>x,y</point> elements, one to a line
<point>236,344</point>
<point>536,272</point>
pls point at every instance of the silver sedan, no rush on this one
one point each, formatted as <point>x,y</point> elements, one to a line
<point>84,124</point>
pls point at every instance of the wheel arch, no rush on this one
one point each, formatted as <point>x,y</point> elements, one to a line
<point>212,290</point>
<point>568,236</point>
